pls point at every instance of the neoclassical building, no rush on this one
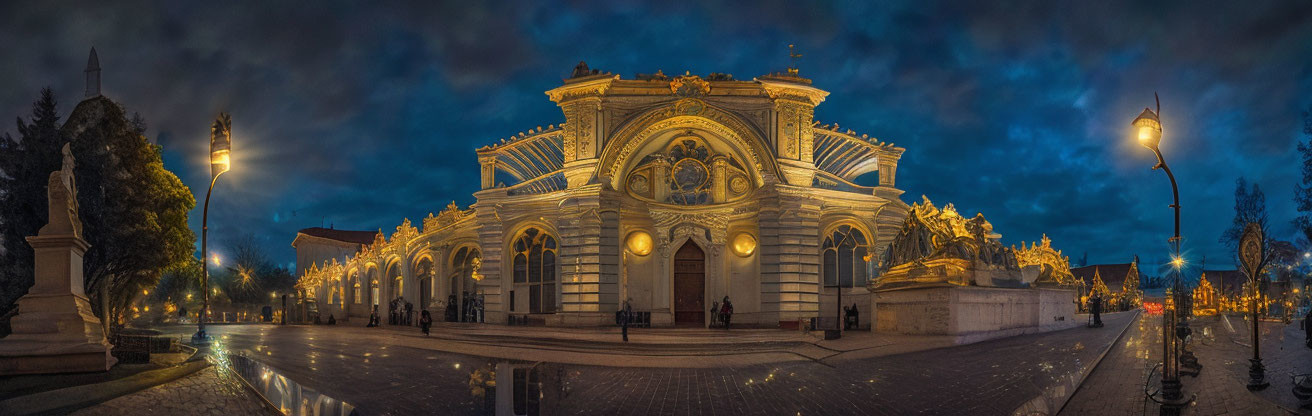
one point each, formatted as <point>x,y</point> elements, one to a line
<point>669,191</point>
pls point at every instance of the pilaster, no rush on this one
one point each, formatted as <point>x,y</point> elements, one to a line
<point>790,258</point>
<point>791,132</point>
<point>580,101</point>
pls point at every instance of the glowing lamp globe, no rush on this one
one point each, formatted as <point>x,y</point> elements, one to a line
<point>639,243</point>
<point>744,244</point>
<point>220,145</point>
<point>1148,128</point>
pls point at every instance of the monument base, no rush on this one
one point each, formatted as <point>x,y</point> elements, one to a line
<point>972,313</point>
<point>55,334</point>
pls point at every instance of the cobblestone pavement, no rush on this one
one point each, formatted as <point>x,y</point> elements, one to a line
<point>388,374</point>
<point>206,392</point>
<point>1116,387</point>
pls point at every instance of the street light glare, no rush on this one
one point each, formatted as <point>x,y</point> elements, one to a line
<point>216,260</point>
<point>1177,262</point>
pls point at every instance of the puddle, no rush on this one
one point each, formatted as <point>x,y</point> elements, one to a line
<point>284,393</point>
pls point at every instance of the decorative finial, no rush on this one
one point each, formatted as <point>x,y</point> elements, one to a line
<point>93,75</point>
<point>793,55</point>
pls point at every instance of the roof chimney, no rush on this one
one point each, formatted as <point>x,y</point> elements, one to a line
<point>93,75</point>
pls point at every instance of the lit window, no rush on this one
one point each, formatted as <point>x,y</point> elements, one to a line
<point>535,269</point>
<point>844,258</point>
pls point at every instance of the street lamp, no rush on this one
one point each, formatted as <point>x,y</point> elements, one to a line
<point>1252,254</point>
<point>220,161</point>
<point>1149,131</point>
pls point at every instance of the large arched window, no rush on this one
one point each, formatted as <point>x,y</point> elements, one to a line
<point>535,269</point>
<point>355,288</point>
<point>845,258</point>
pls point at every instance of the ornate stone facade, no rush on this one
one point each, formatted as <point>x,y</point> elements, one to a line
<point>668,192</point>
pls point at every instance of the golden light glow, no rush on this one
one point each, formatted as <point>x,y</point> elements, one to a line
<point>216,260</point>
<point>475,264</point>
<point>639,243</point>
<point>220,162</point>
<point>744,244</point>
<point>1148,128</point>
<point>1177,262</point>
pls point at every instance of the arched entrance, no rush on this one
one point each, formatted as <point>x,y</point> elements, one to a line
<point>424,272</point>
<point>690,285</point>
<point>461,285</point>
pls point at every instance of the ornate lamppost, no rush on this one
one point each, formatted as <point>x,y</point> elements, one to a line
<point>1149,130</point>
<point>1252,254</point>
<point>220,161</point>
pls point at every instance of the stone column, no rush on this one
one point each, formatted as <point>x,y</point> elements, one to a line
<point>488,169</point>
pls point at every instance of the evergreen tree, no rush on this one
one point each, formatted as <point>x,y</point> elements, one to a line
<point>1250,206</point>
<point>25,165</point>
<point>1303,189</point>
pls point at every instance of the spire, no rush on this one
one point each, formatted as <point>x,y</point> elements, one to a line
<point>93,75</point>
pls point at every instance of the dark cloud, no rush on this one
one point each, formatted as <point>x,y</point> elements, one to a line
<point>359,115</point>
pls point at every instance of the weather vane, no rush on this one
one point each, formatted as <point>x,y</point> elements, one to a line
<point>793,55</point>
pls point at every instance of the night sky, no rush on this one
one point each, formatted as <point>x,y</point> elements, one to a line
<point>358,116</point>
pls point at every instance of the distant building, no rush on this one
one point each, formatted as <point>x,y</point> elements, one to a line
<point>1228,284</point>
<point>318,246</point>
<point>1117,283</point>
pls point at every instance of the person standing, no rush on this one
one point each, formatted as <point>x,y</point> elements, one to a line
<point>1307,327</point>
<point>425,321</point>
<point>726,311</point>
<point>626,315</point>
<point>715,313</point>
<point>373,317</point>
<point>1096,307</point>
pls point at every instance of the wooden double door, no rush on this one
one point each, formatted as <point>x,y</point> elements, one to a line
<point>689,285</point>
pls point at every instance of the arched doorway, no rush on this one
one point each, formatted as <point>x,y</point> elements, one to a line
<point>690,285</point>
<point>461,284</point>
<point>424,272</point>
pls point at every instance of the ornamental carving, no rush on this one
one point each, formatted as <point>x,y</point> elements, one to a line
<point>690,86</point>
<point>686,114</point>
<point>444,219</point>
<point>940,247</point>
<point>688,172</point>
<point>715,223</point>
<point>1052,266</point>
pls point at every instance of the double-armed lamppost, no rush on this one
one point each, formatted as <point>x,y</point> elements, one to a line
<point>1149,130</point>
<point>220,161</point>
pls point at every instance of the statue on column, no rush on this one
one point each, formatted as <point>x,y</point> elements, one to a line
<point>55,330</point>
<point>62,196</point>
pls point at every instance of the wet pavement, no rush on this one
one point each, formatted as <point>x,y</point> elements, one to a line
<point>210,391</point>
<point>1117,386</point>
<point>401,373</point>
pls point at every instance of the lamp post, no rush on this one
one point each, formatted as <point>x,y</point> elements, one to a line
<point>1149,131</point>
<point>1252,253</point>
<point>220,161</point>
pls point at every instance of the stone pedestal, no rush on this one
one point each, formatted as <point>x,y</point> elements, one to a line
<point>55,330</point>
<point>972,313</point>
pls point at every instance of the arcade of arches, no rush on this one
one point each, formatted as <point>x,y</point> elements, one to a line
<point>668,192</point>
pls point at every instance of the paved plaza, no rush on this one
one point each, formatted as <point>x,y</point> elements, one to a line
<point>402,372</point>
<point>210,392</point>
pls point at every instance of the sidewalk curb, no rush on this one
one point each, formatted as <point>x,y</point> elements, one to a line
<point>72,398</point>
<point>1098,362</point>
